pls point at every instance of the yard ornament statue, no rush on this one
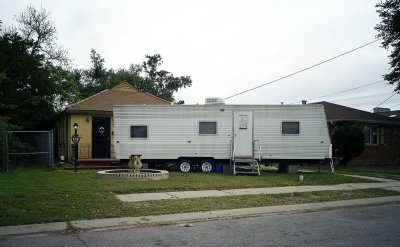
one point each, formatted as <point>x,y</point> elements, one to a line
<point>135,163</point>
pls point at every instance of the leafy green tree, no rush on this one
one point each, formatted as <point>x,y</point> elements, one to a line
<point>66,90</point>
<point>94,79</point>
<point>25,84</point>
<point>146,77</point>
<point>164,83</point>
<point>389,31</point>
<point>348,140</point>
<point>36,26</point>
<point>131,75</point>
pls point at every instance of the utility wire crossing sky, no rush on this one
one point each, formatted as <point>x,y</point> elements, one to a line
<point>305,69</point>
<point>227,46</point>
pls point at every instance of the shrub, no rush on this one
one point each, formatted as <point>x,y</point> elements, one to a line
<point>348,140</point>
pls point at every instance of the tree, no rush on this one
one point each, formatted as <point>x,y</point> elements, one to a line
<point>146,77</point>
<point>348,140</point>
<point>37,28</point>
<point>164,83</point>
<point>131,75</point>
<point>67,90</point>
<point>94,79</point>
<point>26,88</point>
<point>36,25</point>
<point>389,31</point>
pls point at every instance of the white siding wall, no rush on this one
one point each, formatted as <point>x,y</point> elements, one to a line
<point>173,131</point>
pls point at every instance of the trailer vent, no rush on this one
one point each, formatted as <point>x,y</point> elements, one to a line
<point>210,101</point>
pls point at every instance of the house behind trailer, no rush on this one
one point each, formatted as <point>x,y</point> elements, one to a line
<point>203,135</point>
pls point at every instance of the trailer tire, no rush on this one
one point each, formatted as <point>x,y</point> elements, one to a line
<point>185,166</point>
<point>206,166</point>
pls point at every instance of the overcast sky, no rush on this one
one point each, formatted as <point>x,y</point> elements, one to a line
<point>231,46</point>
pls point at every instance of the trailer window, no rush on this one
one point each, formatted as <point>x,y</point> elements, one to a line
<point>138,131</point>
<point>290,128</point>
<point>207,128</point>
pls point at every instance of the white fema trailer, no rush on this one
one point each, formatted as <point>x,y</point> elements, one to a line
<point>201,136</point>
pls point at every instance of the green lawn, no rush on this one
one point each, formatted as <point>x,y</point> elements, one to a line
<point>31,195</point>
<point>385,171</point>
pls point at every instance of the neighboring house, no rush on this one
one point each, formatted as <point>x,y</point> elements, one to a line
<point>381,133</point>
<point>94,115</point>
<point>391,114</point>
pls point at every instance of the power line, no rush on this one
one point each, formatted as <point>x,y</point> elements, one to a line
<point>366,103</point>
<point>302,70</point>
<point>361,97</point>
<point>394,106</point>
<point>385,100</point>
<point>347,90</point>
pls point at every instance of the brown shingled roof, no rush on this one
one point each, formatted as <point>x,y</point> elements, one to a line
<point>122,94</point>
<point>339,113</point>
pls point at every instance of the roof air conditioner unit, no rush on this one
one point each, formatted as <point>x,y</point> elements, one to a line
<point>210,101</point>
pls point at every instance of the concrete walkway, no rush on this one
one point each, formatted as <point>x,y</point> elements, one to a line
<point>128,222</point>
<point>140,197</point>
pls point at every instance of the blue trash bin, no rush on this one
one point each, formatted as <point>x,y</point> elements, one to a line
<point>218,168</point>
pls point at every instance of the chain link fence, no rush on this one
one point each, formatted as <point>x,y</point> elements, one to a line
<point>27,148</point>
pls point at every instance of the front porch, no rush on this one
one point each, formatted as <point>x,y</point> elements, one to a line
<point>85,152</point>
<point>99,163</point>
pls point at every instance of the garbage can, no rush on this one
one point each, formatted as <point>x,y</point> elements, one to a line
<point>218,168</point>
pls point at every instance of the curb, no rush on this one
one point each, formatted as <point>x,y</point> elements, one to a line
<point>132,222</point>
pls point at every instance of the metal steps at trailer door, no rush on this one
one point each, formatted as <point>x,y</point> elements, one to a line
<point>245,160</point>
<point>246,166</point>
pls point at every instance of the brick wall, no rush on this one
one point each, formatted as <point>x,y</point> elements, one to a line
<point>387,152</point>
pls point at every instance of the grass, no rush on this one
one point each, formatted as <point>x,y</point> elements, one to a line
<point>247,201</point>
<point>30,195</point>
<point>382,171</point>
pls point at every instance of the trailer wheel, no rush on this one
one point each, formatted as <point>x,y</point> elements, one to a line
<point>206,166</point>
<point>185,166</point>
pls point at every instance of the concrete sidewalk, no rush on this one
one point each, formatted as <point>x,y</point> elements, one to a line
<point>140,197</point>
<point>128,222</point>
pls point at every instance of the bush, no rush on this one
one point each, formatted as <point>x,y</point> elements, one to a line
<point>348,140</point>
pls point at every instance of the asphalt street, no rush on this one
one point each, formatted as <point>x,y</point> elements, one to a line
<point>358,226</point>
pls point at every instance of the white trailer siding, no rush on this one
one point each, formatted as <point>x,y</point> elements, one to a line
<point>173,131</point>
<point>311,143</point>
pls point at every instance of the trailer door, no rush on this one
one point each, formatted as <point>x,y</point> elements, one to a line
<point>243,134</point>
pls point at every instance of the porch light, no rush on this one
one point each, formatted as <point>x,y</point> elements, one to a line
<point>75,140</point>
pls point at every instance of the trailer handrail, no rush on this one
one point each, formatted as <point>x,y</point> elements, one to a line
<point>232,160</point>
<point>232,150</point>
<point>259,151</point>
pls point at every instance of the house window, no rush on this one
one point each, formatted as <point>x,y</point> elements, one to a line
<point>207,128</point>
<point>139,131</point>
<point>371,135</point>
<point>290,128</point>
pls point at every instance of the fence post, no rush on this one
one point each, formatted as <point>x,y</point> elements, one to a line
<point>49,149</point>
<point>49,141</point>
<point>52,148</point>
<point>5,152</point>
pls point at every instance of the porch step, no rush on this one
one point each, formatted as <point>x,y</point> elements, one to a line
<point>99,162</point>
<point>80,167</point>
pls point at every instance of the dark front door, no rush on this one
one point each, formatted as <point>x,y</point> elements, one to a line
<point>101,137</point>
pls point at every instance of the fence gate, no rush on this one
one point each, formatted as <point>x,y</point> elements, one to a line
<point>32,148</point>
